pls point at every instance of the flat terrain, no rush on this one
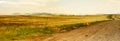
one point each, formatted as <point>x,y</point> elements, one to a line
<point>106,31</point>
<point>18,27</point>
<point>49,20</point>
<point>35,27</point>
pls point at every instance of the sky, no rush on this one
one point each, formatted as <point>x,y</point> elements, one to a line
<point>77,7</point>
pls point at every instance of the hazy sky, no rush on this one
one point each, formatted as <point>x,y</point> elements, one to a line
<point>60,6</point>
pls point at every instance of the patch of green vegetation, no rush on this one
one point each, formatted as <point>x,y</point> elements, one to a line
<point>15,33</point>
<point>99,21</point>
<point>110,17</point>
<point>69,27</point>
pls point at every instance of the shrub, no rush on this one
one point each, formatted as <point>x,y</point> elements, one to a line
<point>110,17</point>
<point>71,26</point>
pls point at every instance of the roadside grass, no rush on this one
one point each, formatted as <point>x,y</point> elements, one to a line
<point>99,21</point>
<point>64,28</point>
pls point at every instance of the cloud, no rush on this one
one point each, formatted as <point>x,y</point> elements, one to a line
<point>113,1</point>
<point>39,1</point>
<point>60,6</point>
<point>1,1</point>
<point>27,2</point>
<point>10,3</point>
<point>25,6</point>
<point>44,1</point>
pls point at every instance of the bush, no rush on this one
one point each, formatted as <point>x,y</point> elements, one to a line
<point>46,30</point>
<point>71,26</point>
<point>99,21</point>
<point>110,17</point>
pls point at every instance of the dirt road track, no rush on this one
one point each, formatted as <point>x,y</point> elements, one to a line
<point>106,31</point>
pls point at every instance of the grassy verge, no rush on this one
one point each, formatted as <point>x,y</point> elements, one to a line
<point>99,21</point>
<point>64,28</point>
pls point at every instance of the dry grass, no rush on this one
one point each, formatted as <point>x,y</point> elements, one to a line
<point>20,27</point>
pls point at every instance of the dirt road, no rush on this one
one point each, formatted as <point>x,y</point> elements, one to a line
<point>106,31</point>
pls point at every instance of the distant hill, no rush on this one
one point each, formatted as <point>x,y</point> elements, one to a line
<point>42,14</point>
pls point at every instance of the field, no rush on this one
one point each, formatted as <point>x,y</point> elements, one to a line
<point>16,27</point>
<point>116,17</point>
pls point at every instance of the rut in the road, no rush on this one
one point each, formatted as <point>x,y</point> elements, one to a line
<point>107,31</point>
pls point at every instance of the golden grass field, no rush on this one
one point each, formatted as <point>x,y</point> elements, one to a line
<point>15,27</point>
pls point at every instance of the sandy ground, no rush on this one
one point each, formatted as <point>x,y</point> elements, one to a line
<point>106,31</point>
